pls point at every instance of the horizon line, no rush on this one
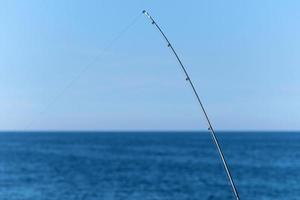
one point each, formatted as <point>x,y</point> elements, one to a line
<point>149,130</point>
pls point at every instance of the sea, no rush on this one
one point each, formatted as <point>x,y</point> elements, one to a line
<point>167,165</point>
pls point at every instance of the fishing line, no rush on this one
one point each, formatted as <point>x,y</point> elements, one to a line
<point>85,69</point>
<point>210,127</point>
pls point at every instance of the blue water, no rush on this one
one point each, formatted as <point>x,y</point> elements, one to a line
<point>151,165</point>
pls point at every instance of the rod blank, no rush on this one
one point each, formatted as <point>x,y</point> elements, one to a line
<point>210,127</point>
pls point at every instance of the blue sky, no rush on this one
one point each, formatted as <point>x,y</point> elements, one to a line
<point>242,56</point>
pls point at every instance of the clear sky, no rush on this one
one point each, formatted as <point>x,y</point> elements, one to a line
<point>243,57</point>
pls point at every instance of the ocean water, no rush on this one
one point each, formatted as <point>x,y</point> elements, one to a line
<point>147,165</point>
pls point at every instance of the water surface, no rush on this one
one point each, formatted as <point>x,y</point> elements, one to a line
<point>147,165</point>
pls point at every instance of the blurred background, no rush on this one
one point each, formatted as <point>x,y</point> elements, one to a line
<point>242,56</point>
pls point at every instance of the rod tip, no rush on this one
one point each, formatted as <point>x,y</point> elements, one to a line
<point>147,14</point>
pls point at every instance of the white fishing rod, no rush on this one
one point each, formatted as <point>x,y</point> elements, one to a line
<point>210,128</point>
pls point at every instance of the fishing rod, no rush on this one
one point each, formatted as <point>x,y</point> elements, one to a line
<point>210,127</point>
